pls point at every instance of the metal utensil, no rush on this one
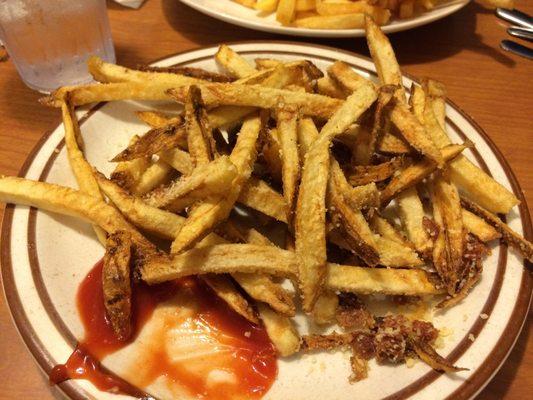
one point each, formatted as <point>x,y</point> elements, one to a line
<point>521,33</point>
<point>515,17</point>
<point>517,48</point>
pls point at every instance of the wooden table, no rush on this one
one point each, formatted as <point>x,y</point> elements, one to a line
<point>462,50</point>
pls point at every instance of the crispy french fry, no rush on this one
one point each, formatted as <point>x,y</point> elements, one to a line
<point>328,87</point>
<point>414,133</point>
<point>271,154</point>
<point>191,72</point>
<point>361,197</point>
<point>380,15</point>
<point>262,97</point>
<point>154,141</point>
<point>417,101</point>
<point>233,63</point>
<point>385,228</point>
<point>346,77</point>
<point>285,12</point>
<point>267,6</point>
<point>155,175</point>
<point>325,308</point>
<point>287,131</point>
<point>156,119</point>
<point>127,173</point>
<point>407,9</point>
<point>178,159</point>
<point>478,227</point>
<point>258,195</point>
<point>116,283</point>
<point>508,235</point>
<point>305,5</point>
<point>81,168</point>
<point>384,58</point>
<point>396,255</point>
<point>281,331</point>
<point>206,180</point>
<point>343,21</point>
<point>311,207</point>
<point>435,92</point>
<point>414,174</point>
<point>449,245</point>
<point>365,174</point>
<point>391,144</point>
<point>226,290</point>
<point>411,214</point>
<point>67,201</point>
<point>213,211</point>
<point>199,139</point>
<point>151,219</point>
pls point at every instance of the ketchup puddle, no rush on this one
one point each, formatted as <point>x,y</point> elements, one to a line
<point>213,353</point>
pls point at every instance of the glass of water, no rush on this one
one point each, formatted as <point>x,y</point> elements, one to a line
<point>50,40</point>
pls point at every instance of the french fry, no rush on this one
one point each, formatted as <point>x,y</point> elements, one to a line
<point>263,97</point>
<point>285,12</point>
<point>416,172</point>
<point>407,9</point>
<point>267,6</point>
<point>344,75</point>
<point>155,175</point>
<point>156,119</point>
<point>206,180</point>
<point>328,87</point>
<point>385,228</point>
<point>263,288</point>
<point>478,227</point>
<point>311,207</point>
<point>271,154</point>
<point>417,101</point>
<point>256,194</point>
<point>80,167</point>
<point>343,21</point>
<point>191,72</point>
<point>384,58</point>
<point>361,197</point>
<point>199,139</point>
<point>305,5</point>
<point>287,131</point>
<point>233,63</point>
<point>449,245</point>
<point>281,331</point>
<point>127,173</point>
<point>325,308</point>
<point>435,92</point>
<point>396,255</point>
<point>411,213</point>
<point>116,283</point>
<point>508,235</point>
<point>178,159</point>
<point>414,133</point>
<point>365,174</point>
<point>379,15</point>
<point>213,211</point>
<point>151,219</point>
<point>391,144</point>
<point>67,201</point>
<point>154,141</point>
<point>226,290</point>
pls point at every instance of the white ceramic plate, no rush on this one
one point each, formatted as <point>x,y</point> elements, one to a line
<point>45,256</point>
<point>234,13</point>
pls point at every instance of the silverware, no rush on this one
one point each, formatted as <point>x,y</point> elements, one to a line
<point>517,48</point>
<point>515,17</point>
<point>522,29</point>
<point>521,33</point>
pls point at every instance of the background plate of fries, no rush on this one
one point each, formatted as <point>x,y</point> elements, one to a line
<point>46,255</point>
<point>330,19</point>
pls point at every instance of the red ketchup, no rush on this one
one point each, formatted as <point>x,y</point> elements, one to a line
<point>248,356</point>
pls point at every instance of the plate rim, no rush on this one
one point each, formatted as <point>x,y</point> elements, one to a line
<point>403,25</point>
<point>467,390</point>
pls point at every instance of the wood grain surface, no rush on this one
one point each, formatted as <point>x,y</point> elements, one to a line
<point>462,51</point>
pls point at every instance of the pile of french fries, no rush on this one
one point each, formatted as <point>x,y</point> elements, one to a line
<point>373,195</point>
<point>346,14</point>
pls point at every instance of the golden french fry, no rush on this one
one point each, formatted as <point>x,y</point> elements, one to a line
<point>343,21</point>
<point>478,227</point>
<point>212,179</point>
<point>154,141</point>
<point>127,173</point>
<point>287,131</point>
<point>346,77</point>
<point>325,308</point>
<point>212,211</point>
<point>380,15</point>
<point>416,172</point>
<point>328,87</point>
<point>280,330</point>
<point>285,12</point>
<point>199,139</point>
<point>156,119</point>
<point>178,159</point>
<point>256,194</point>
<point>407,9</point>
<point>271,154</point>
<point>80,167</point>
<point>155,175</point>
<point>385,228</point>
<point>391,144</point>
<point>411,213</point>
<point>508,235</point>
<point>311,207</point>
<point>365,174</point>
<point>267,6</point>
<point>305,5</point>
<point>233,63</point>
<point>414,133</point>
<point>191,72</point>
<point>263,97</point>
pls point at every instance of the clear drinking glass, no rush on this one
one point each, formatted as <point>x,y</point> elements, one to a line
<point>50,40</point>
